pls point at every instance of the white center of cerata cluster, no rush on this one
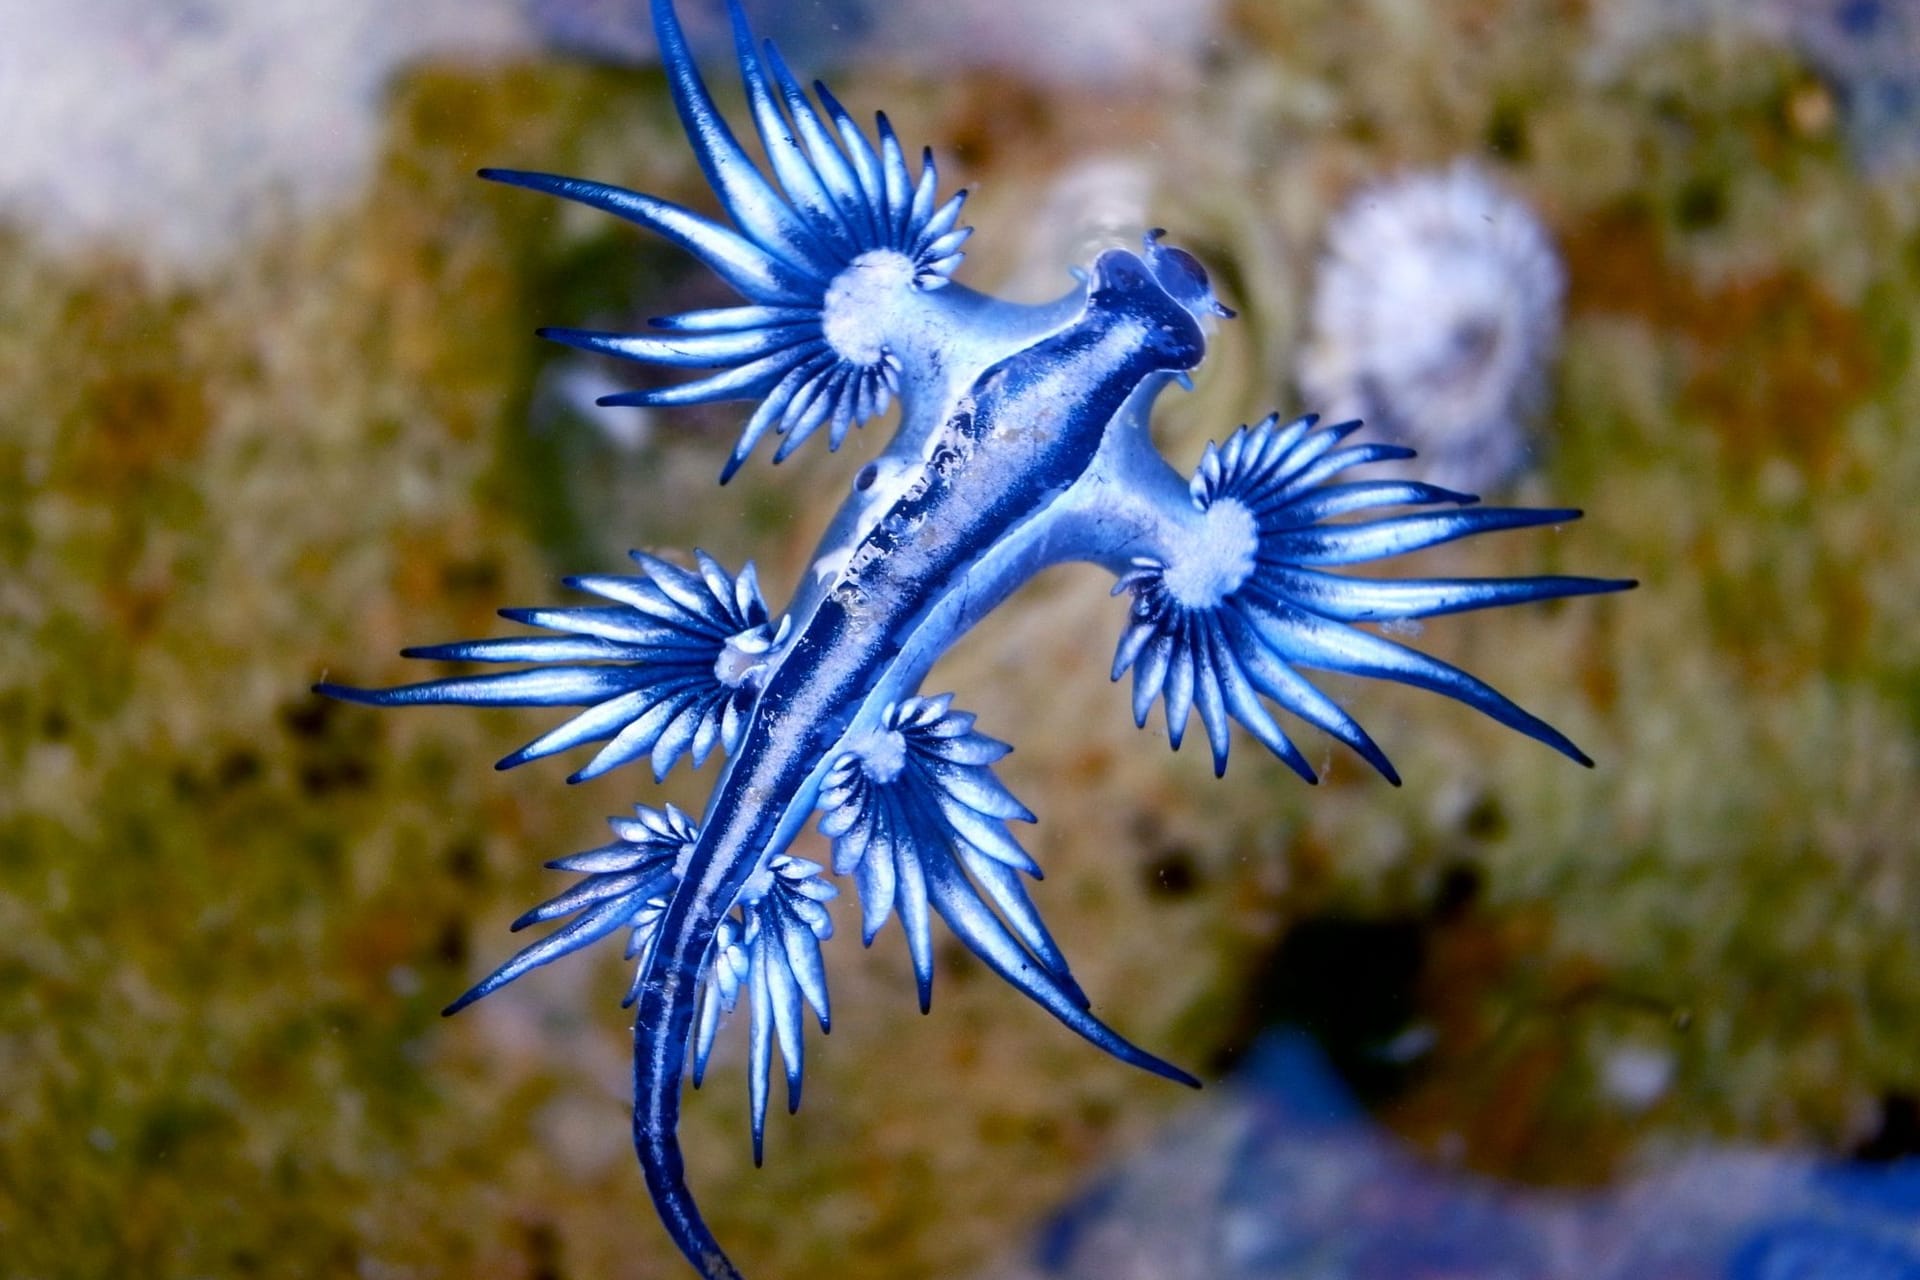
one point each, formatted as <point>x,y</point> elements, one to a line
<point>1216,558</point>
<point>861,305</point>
<point>883,755</point>
<point>740,657</point>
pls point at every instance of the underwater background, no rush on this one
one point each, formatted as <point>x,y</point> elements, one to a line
<point>271,409</point>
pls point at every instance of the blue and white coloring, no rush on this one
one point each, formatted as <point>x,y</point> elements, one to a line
<point>1022,444</point>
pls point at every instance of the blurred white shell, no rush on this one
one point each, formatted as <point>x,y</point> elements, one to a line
<point>1435,319</point>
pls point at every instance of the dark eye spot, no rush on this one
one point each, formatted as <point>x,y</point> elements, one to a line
<point>864,481</point>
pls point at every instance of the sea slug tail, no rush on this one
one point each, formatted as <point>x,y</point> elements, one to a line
<point>659,1061</point>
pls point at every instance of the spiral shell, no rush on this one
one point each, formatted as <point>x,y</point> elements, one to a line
<point>1435,320</point>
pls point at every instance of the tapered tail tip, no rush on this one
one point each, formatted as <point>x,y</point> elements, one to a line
<point>1178,1076</point>
<point>465,1000</point>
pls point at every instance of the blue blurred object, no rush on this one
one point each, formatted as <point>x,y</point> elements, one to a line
<point>1285,1178</point>
<point>1868,51</point>
<point>1817,1250</point>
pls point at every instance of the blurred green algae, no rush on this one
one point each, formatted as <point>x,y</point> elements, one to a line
<point>229,913</point>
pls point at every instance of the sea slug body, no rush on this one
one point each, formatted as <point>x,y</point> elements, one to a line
<point>1022,443</point>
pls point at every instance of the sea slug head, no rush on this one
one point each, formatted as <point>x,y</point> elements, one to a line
<point>1169,296</point>
<point>1184,279</point>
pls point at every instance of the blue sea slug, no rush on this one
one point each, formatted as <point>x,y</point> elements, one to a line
<point>1022,443</point>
